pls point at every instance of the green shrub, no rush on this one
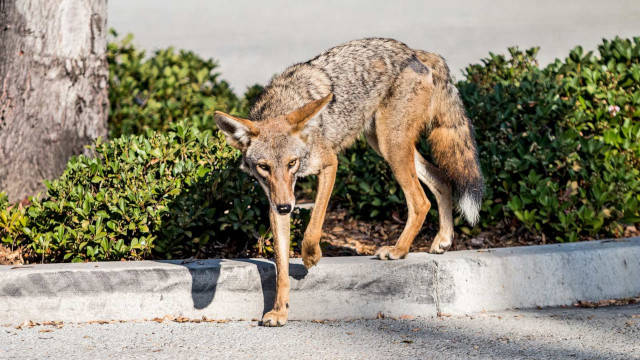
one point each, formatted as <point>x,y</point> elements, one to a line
<point>557,155</point>
<point>167,195</point>
<point>151,93</point>
<point>365,184</point>
<point>12,222</point>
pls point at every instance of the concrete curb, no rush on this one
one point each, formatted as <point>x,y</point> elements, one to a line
<point>338,288</point>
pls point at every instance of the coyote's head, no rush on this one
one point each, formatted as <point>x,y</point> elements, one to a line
<point>274,150</point>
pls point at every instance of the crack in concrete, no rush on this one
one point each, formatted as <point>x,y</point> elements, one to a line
<point>436,287</point>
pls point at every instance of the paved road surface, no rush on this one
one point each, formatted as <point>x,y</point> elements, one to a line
<point>255,39</point>
<point>572,333</point>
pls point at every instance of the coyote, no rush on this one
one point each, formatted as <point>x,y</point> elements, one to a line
<point>377,87</point>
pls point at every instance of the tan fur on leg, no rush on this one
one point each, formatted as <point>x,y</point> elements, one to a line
<point>311,252</point>
<point>417,203</point>
<point>280,226</point>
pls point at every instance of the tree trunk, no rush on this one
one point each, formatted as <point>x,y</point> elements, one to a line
<point>53,87</point>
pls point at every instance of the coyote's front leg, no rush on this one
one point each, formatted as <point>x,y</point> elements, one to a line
<point>311,252</point>
<point>280,226</point>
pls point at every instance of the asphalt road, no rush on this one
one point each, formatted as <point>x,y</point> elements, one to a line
<point>571,333</point>
<point>253,40</point>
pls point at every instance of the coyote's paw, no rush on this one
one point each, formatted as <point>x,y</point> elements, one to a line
<point>440,244</point>
<point>274,318</point>
<point>311,254</point>
<point>391,253</point>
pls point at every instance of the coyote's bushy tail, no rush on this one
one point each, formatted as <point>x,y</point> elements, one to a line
<point>453,146</point>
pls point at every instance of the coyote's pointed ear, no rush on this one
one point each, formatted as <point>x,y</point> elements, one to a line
<point>299,117</point>
<point>237,130</point>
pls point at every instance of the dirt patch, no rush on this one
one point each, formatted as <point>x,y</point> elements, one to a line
<point>9,257</point>
<point>344,235</point>
<point>608,302</point>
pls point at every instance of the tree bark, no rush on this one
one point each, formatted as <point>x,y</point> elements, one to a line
<point>53,87</point>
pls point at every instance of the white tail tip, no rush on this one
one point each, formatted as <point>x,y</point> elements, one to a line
<point>470,208</point>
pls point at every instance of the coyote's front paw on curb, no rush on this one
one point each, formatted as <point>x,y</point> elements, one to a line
<point>311,254</point>
<point>390,253</point>
<point>274,318</point>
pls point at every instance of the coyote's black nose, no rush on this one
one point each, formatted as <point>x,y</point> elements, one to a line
<point>284,209</point>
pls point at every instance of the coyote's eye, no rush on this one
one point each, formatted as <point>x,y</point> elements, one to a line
<point>264,167</point>
<point>293,163</point>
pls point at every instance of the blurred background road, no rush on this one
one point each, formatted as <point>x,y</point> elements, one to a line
<point>253,40</point>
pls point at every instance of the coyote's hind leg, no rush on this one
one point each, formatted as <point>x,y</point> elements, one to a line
<point>399,122</point>
<point>441,189</point>
<point>417,203</point>
<point>395,141</point>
